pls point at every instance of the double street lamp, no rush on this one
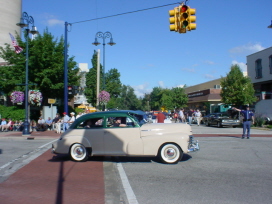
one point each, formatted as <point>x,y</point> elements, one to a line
<point>33,31</point>
<point>111,43</point>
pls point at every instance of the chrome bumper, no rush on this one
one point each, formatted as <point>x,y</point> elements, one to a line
<point>193,145</point>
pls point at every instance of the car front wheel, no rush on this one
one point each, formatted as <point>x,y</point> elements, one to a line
<point>170,153</point>
<point>219,125</point>
<point>78,152</point>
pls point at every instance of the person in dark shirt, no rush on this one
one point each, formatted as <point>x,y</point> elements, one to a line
<point>248,117</point>
<point>118,123</point>
<point>190,116</point>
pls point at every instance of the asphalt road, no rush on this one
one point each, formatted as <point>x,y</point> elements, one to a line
<point>225,170</point>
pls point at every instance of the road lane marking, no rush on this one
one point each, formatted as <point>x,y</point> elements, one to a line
<point>126,185</point>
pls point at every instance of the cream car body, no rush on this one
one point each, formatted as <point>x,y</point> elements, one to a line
<point>169,141</point>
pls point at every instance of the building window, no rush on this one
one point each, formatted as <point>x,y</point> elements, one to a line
<point>270,64</point>
<point>258,68</point>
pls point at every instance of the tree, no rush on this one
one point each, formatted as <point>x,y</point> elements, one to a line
<point>91,81</point>
<point>236,88</point>
<point>168,98</point>
<point>45,66</point>
<point>128,100</point>
<point>180,98</point>
<point>112,81</point>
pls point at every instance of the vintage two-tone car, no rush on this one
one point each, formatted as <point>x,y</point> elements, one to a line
<point>125,133</point>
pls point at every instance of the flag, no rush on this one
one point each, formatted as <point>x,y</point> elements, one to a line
<point>17,48</point>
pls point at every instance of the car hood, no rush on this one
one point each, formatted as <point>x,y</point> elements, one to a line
<point>165,129</point>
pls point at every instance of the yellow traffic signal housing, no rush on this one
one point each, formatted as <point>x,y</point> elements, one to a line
<point>174,20</point>
<point>187,17</point>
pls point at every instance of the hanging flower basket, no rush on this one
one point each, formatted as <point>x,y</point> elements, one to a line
<point>104,97</point>
<point>17,97</point>
<point>35,97</point>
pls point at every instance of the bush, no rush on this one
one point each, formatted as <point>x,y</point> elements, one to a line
<point>13,112</point>
<point>259,120</point>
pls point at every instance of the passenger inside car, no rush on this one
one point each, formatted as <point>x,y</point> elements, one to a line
<point>119,122</point>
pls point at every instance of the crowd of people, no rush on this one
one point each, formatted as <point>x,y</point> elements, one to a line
<point>58,124</point>
<point>190,115</point>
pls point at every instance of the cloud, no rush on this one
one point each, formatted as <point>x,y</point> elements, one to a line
<point>209,76</point>
<point>54,22</point>
<point>247,49</point>
<point>161,84</point>
<point>242,65</point>
<point>188,70</point>
<point>209,62</point>
<point>140,90</point>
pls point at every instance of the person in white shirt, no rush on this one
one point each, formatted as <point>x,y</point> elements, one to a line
<point>72,119</point>
<point>181,115</point>
<point>198,115</point>
<point>78,115</point>
<point>41,124</point>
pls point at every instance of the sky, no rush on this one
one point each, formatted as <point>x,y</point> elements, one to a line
<point>147,54</point>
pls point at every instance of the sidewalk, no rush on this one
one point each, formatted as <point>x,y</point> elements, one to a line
<point>38,134</point>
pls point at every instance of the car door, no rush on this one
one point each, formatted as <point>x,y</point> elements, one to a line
<point>118,139</point>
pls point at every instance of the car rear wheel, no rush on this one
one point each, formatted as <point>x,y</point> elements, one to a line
<point>170,153</point>
<point>207,123</point>
<point>78,152</point>
<point>219,125</point>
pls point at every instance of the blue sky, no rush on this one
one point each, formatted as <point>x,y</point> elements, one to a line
<point>146,53</point>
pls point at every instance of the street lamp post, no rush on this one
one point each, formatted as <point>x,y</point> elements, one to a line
<point>270,26</point>
<point>22,24</point>
<point>111,43</point>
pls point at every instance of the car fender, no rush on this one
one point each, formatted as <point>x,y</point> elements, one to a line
<point>62,146</point>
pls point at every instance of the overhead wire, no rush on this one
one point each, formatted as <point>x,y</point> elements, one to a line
<point>125,13</point>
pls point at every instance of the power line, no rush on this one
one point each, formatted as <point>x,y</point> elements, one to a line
<point>125,13</point>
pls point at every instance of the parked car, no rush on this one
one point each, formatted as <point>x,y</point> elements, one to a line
<point>222,119</point>
<point>96,134</point>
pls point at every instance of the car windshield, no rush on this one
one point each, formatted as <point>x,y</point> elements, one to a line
<point>140,118</point>
<point>224,115</point>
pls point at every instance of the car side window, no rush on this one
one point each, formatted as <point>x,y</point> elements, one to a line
<point>90,123</point>
<point>117,122</point>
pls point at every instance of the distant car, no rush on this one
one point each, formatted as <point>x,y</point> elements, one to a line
<point>96,134</point>
<point>204,118</point>
<point>221,119</point>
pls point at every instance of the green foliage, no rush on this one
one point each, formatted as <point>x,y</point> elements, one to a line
<point>112,82</point>
<point>127,100</point>
<point>259,120</point>
<point>45,67</point>
<point>236,88</point>
<point>13,112</point>
<point>168,98</point>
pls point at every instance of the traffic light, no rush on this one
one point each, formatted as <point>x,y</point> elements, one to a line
<point>187,17</point>
<point>70,90</point>
<point>174,20</point>
<point>75,90</point>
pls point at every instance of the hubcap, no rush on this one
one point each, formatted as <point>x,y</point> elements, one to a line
<point>79,151</point>
<point>170,152</point>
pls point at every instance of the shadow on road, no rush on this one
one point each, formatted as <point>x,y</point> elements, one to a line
<point>64,158</point>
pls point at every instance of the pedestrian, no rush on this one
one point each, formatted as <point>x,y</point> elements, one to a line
<point>65,122</point>
<point>181,116</point>
<point>198,115</point>
<point>160,117</point>
<point>33,125</point>
<point>55,121</point>
<point>41,124</point>
<point>49,123</point>
<point>72,119</point>
<point>190,116</point>
<point>248,117</point>
<point>78,115</point>
<point>175,116</point>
